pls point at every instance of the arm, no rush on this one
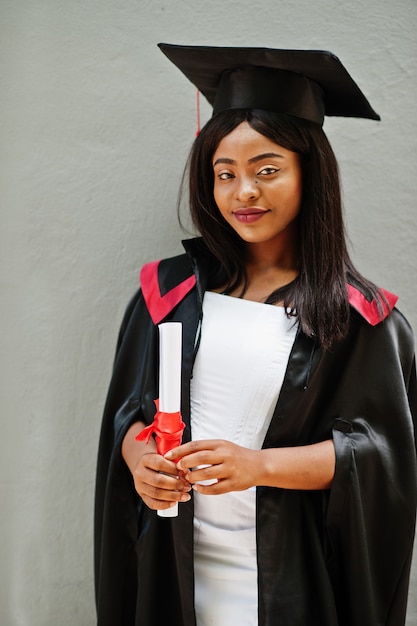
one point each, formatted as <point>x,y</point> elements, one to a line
<point>236,468</point>
<point>303,467</point>
<point>157,480</point>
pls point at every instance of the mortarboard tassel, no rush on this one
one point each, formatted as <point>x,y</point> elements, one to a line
<point>198,113</point>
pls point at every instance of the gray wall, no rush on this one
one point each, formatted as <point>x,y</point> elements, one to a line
<point>95,127</point>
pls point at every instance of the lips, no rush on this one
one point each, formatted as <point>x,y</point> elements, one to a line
<point>250,214</point>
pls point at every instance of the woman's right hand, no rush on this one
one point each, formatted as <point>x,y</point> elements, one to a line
<point>157,481</point>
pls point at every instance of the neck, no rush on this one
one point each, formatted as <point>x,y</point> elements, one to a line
<point>263,259</point>
<point>266,271</point>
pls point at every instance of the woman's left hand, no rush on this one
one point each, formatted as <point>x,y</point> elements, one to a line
<point>232,466</point>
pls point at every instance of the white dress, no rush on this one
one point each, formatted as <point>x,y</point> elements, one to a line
<point>237,378</point>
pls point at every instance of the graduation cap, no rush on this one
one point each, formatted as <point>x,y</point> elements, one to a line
<point>306,83</point>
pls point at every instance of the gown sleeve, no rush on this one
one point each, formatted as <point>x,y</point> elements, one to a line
<point>372,506</point>
<point>116,503</point>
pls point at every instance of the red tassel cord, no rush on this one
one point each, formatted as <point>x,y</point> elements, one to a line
<point>198,114</point>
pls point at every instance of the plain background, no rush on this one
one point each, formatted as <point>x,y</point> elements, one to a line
<point>95,128</point>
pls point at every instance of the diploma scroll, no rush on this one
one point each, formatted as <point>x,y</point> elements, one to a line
<point>167,425</point>
<point>170,354</point>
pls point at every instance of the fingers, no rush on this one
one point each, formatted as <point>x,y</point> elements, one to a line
<point>192,446</point>
<point>196,453</point>
<point>157,463</point>
<point>204,461</point>
<point>162,496</point>
<point>232,466</point>
<point>206,473</point>
<point>214,489</point>
<point>159,482</point>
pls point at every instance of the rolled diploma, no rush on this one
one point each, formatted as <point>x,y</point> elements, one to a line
<point>170,353</point>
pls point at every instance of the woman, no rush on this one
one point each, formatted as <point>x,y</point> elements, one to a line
<point>297,475</point>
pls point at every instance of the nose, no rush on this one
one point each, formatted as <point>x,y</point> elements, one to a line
<point>247,189</point>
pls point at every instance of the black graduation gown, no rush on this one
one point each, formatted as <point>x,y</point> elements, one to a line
<point>339,557</point>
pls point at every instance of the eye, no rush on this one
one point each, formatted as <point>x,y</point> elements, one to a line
<point>224,176</point>
<point>268,171</point>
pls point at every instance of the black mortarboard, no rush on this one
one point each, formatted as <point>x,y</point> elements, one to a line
<point>306,83</point>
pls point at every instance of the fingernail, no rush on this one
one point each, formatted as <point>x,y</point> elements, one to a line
<point>185,497</point>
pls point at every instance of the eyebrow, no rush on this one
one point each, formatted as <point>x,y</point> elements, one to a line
<point>255,159</point>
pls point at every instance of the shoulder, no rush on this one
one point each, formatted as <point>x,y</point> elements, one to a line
<point>165,283</point>
<point>382,313</point>
<point>401,335</point>
<point>385,332</point>
<point>373,309</point>
<point>385,336</point>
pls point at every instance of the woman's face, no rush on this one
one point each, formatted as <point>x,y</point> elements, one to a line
<point>258,187</point>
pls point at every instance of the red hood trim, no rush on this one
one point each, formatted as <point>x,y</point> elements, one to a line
<point>369,310</point>
<point>159,306</point>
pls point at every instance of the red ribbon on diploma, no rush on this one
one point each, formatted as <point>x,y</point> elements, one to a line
<point>167,428</point>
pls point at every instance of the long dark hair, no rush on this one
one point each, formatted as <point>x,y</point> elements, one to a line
<point>319,295</point>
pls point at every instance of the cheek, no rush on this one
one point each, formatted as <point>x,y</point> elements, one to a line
<point>296,192</point>
<point>299,195</point>
<point>219,196</point>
